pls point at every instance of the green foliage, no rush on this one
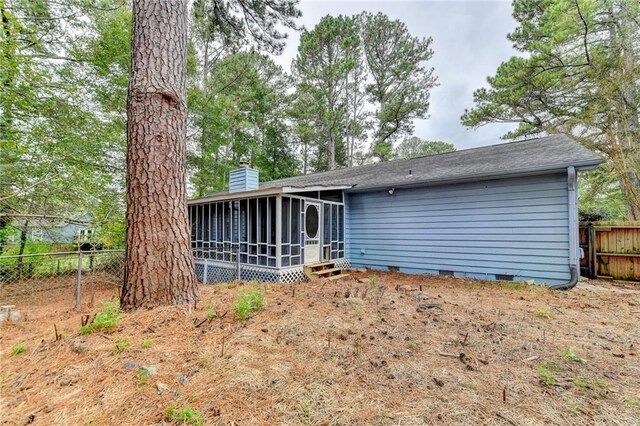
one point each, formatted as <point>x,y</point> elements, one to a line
<point>143,375</point>
<point>551,365</point>
<point>106,319</point>
<point>306,411</point>
<point>546,376</point>
<point>211,310</point>
<point>327,56</point>
<point>239,114</point>
<point>18,349</point>
<point>184,415</point>
<point>600,196</point>
<point>401,81</point>
<point>146,343</point>
<point>372,281</point>
<point>249,301</point>
<point>121,345</point>
<point>570,354</point>
<point>356,75</point>
<point>542,313</point>
<point>415,147</point>
<point>579,74</point>
<point>632,403</point>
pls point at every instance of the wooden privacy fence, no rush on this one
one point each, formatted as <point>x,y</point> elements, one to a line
<point>610,250</point>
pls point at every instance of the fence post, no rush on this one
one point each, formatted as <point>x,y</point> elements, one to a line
<point>206,272</point>
<point>79,281</point>
<point>238,276</point>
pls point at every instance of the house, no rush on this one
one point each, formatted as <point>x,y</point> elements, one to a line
<point>51,229</point>
<point>503,212</point>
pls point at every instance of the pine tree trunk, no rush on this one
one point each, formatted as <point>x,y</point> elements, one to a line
<point>159,266</point>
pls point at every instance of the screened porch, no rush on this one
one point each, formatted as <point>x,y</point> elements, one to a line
<point>268,238</point>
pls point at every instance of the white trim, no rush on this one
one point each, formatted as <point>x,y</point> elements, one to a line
<point>235,196</point>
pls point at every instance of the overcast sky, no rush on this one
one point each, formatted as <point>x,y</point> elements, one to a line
<point>469,42</point>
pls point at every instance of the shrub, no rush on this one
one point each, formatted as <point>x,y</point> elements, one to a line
<point>108,318</point>
<point>186,415</point>
<point>18,349</point>
<point>249,301</point>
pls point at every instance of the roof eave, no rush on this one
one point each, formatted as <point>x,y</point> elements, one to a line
<point>558,168</point>
<point>290,189</point>
<point>228,196</point>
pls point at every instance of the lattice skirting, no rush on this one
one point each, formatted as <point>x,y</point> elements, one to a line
<point>222,272</point>
<point>343,263</point>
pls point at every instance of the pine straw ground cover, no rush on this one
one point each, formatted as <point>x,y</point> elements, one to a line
<point>373,351</point>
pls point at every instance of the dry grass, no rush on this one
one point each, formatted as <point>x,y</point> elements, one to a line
<point>367,353</point>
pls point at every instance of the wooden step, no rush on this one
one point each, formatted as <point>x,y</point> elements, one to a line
<point>337,277</point>
<point>323,272</point>
<point>309,270</point>
<point>321,265</point>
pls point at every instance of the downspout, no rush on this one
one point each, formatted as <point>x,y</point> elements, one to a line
<point>572,186</point>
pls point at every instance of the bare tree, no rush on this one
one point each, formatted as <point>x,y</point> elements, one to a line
<point>159,266</point>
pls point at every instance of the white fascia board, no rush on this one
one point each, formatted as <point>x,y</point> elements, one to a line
<point>236,195</point>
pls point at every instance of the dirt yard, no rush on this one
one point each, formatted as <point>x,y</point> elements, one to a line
<point>378,349</point>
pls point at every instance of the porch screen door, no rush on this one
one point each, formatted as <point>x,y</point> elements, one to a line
<point>312,233</point>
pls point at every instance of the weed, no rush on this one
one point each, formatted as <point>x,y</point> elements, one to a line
<point>186,415</point>
<point>546,376</point>
<point>515,286</point>
<point>411,345</point>
<point>249,301</point>
<point>143,375</point>
<point>205,360</point>
<point>146,343</point>
<point>357,310</point>
<point>551,366</point>
<point>306,411</point>
<point>543,314</point>
<point>575,410</point>
<point>632,403</point>
<point>377,318</point>
<point>18,349</point>
<point>372,281</point>
<point>211,310</point>
<point>584,384</point>
<point>581,384</point>
<point>108,318</point>
<point>570,354</point>
<point>121,345</point>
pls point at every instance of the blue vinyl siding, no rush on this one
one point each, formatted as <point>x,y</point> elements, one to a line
<point>516,227</point>
<point>243,180</point>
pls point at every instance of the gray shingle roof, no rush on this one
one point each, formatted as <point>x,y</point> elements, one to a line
<point>546,153</point>
<point>549,153</point>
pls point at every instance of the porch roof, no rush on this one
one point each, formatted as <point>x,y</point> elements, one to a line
<point>547,154</point>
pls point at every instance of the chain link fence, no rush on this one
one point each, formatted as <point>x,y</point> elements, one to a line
<point>81,277</point>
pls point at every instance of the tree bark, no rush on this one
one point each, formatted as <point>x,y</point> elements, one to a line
<point>159,267</point>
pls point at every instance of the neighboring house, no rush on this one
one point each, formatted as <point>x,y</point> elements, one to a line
<point>54,231</point>
<point>504,212</point>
